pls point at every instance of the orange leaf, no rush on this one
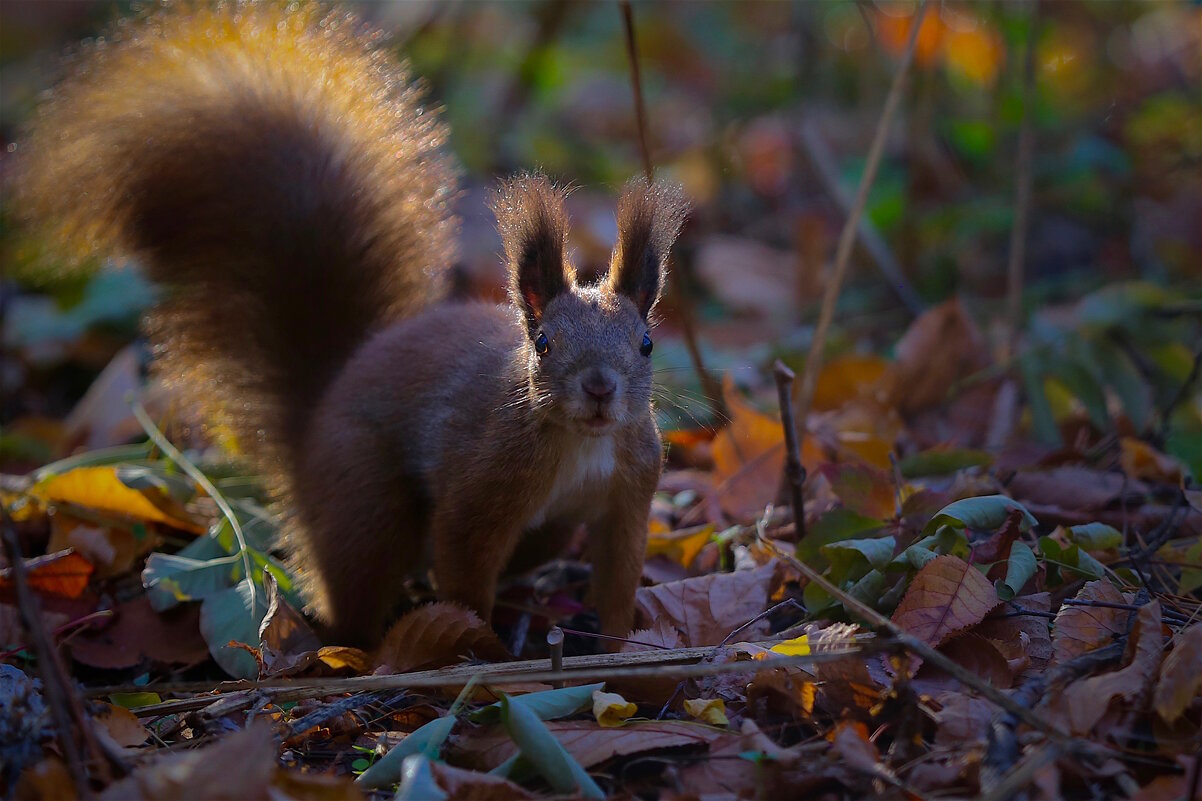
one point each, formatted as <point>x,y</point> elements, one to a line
<point>844,378</point>
<point>1141,460</point>
<point>99,488</point>
<point>64,573</point>
<point>948,595</point>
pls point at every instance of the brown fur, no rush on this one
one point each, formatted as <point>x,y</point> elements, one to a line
<point>275,174</point>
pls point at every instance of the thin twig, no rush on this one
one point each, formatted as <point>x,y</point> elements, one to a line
<point>823,160</point>
<point>684,309</point>
<point>1023,773</point>
<point>679,662</point>
<point>917,646</point>
<point>795,472</point>
<point>847,236</point>
<point>1022,191</point>
<point>193,472</point>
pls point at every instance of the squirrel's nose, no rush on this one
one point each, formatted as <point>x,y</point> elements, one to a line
<point>599,386</point>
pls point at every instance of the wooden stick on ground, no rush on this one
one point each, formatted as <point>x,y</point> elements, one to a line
<point>795,472</point>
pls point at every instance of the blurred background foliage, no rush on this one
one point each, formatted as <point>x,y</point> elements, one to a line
<point>764,111</point>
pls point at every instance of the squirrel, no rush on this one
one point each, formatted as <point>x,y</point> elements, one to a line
<point>272,169</point>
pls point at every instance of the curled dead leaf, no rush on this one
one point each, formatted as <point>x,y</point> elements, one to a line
<point>1079,629</point>
<point>705,609</point>
<point>436,635</point>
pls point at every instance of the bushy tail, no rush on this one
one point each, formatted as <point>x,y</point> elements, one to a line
<point>272,169</point>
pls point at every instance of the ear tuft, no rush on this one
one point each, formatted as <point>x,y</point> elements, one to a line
<point>533,227</point>
<point>649,218</point>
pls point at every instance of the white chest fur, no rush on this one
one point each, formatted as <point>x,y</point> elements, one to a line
<point>583,475</point>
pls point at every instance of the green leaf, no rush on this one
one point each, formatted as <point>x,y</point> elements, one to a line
<point>556,765</point>
<point>1071,558</point>
<point>1096,536</point>
<point>942,462</point>
<point>946,541</point>
<point>869,588</point>
<point>1191,577</point>
<point>142,477</point>
<point>1020,567</point>
<point>545,705</point>
<point>426,740</point>
<point>836,525</point>
<point>417,781</point>
<point>171,578</point>
<point>135,700</point>
<point>983,513</point>
<point>228,616</point>
<point>851,559</point>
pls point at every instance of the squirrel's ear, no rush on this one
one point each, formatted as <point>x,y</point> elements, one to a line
<point>533,227</point>
<point>649,218</point>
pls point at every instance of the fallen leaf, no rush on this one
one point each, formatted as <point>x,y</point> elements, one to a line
<point>707,710</point>
<point>237,767</point>
<point>681,546</point>
<point>1010,631</point>
<point>850,743</point>
<point>1180,675</point>
<point>49,780</point>
<point>846,377</point>
<point>962,719</point>
<point>948,595</point>
<point>64,573</point>
<point>1140,460</point>
<point>101,489</point>
<point>112,551</point>
<point>611,710</point>
<point>940,348</point>
<point>438,634</point>
<point>1087,700</point>
<point>1078,629</point>
<point>121,725</point>
<point>863,489</point>
<point>468,785</point>
<point>705,609</point>
<point>749,456</point>
<point>981,657</point>
<point>137,633</point>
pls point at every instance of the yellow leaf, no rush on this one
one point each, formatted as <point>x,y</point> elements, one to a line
<point>798,646</point>
<point>611,709</point>
<point>99,488</point>
<point>681,547</point>
<point>707,710</point>
<point>1141,460</point>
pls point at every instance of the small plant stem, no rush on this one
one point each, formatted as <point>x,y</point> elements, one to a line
<point>1022,189</point>
<point>194,473</point>
<point>795,472</point>
<point>847,236</point>
<point>684,309</point>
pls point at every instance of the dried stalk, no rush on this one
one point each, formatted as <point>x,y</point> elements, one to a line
<point>1022,190</point>
<point>847,237</point>
<point>795,472</point>
<point>684,309</point>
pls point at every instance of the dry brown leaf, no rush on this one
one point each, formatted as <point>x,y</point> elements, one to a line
<point>436,635</point>
<point>239,767</point>
<point>705,609</point>
<point>948,595</point>
<point>138,633</point>
<point>850,744</point>
<point>587,742</point>
<point>469,785</point>
<point>120,725</point>
<point>1181,675</point>
<point>293,785</point>
<point>1087,700</point>
<point>941,347</point>
<point>962,719</point>
<point>1072,487</point>
<point>12,630</point>
<point>1029,631</point>
<point>980,656</point>
<point>1078,629</point>
<point>863,489</point>
<point>64,573</point>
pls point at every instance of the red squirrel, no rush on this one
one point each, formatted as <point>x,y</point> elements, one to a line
<point>272,169</point>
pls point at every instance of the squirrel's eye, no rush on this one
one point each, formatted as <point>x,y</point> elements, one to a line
<point>645,348</point>
<point>541,345</point>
